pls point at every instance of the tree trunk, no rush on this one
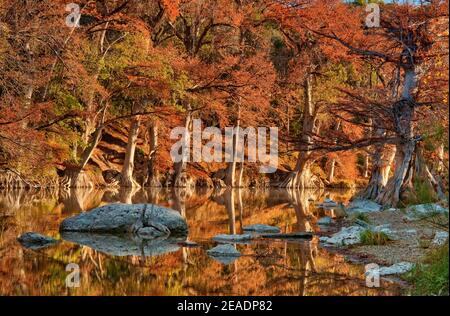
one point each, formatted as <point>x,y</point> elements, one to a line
<point>381,168</point>
<point>150,177</point>
<point>74,174</point>
<point>230,176</point>
<point>91,118</point>
<point>301,176</point>
<point>230,206</point>
<point>333,161</point>
<point>180,177</point>
<point>404,111</point>
<point>331,172</point>
<point>127,179</point>
<point>440,164</point>
<point>366,166</point>
<point>241,175</point>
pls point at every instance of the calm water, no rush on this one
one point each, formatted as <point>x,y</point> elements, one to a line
<point>267,267</point>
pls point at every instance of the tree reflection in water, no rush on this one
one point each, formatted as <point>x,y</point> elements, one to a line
<point>267,267</point>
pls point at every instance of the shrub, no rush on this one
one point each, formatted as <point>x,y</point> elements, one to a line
<point>431,276</point>
<point>371,238</point>
<point>421,193</point>
<point>362,217</point>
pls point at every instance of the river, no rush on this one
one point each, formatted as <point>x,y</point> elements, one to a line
<point>299,268</point>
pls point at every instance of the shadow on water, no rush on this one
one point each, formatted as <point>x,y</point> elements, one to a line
<point>121,265</point>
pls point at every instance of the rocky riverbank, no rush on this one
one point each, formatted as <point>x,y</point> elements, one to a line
<point>395,239</point>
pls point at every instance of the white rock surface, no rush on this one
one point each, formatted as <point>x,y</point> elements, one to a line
<point>259,228</point>
<point>225,254</point>
<point>233,238</point>
<point>325,221</point>
<point>440,239</point>
<point>347,236</point>
<point>363,206</point>
<point>417,212</point>
<point>398,268</point>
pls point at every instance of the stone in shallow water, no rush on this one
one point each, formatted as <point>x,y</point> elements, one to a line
<point>36,241</point>
<point>259,228</point>
<point>325,221</point>
<point>328,204</point>
<point>123,218</point>
<point>363,206</point>
<point>123,245</point>
<point>225,254</point>
<point>233,238</point>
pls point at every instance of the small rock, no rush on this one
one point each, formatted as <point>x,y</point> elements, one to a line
<point>259,228</point>
<point>398,268</point>
<point>224,250</point>
<point>347,236</point>
<point>327,204</point>
<point>363,206</point>
<point>36,241</point>
<point>325,221</point>
<point>225,254</point>
<point>233,238</point>
<point>440,239</point>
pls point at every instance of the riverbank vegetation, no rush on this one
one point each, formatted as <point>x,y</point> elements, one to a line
<point>431,277</point>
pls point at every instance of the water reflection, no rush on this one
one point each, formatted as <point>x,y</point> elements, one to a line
<point>112,265</point>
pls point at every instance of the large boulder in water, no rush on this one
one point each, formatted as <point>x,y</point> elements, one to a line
<point>128,218</point>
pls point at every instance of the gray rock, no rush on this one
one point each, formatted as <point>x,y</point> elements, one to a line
<point>123,245</point>
<point>233,238</point>
<point>225,254</point>
<point>126,218</point>
<point>325,221</point>
<point>347,236</point>
<point>36,241</point>
<point>363,206</point>
<point>328,204</point>
<point>259,228</point>
<point>151,232</point>
<point>398,268</point>
<point>440,238</point>
<point>418,212</point>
